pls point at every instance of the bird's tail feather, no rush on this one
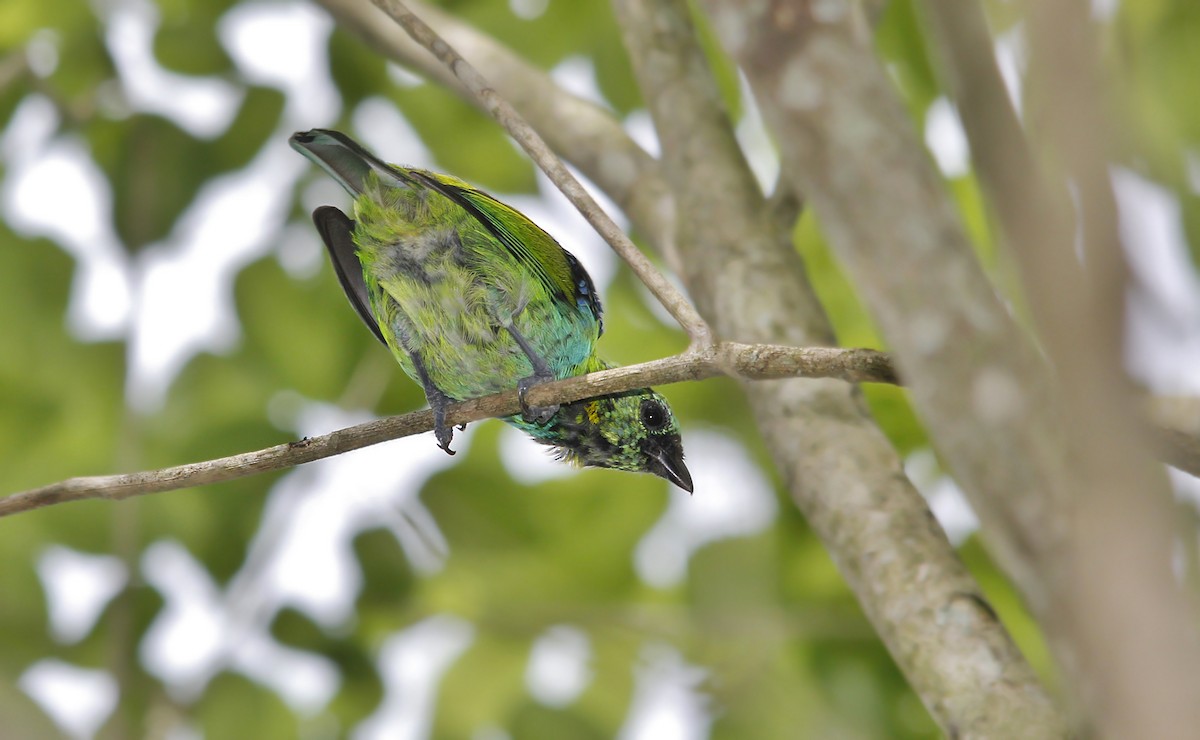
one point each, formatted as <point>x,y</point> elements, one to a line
<point>342,158</point>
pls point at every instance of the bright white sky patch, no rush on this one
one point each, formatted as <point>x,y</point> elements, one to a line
<point>411,665</point>
<point>558,669</point>
<point>77,699</point>
<point>42,52</point>
<point>1192,164</point>
<point>1105,10</point>
<point>202,106</point>
<point>306,681</point>
<point>403,77</point>
<point>577,75</point>
<point>1163,320</point>
<point>53,189</point>
<point>186,302</point>
<point>303,550</point>
<point>1012,56</point>
<point>301,253</point>
<point>528,9</point>
<point>283,45</point>
<point>78,586</point>
<point>182,646</point>
<point>383,130</point>
<point>30,128</point>
<point>943,495</point>
<point>754,139</point>
<point>300,557</point>
<point>640,127</point>
<point>59,195</point>
<point>202,631</point>
<point>528,462</point>
<point>1186,485</point>
<point>733,498</point>
<point>945,137</point>
<point>179,294</point>
<point>667,703</point>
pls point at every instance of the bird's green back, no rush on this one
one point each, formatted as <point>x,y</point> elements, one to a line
<point>469,295</point>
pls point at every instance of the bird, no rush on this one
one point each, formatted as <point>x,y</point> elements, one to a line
<point>473,298</point>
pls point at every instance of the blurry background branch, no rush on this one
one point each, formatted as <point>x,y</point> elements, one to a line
<point>847,141</point>
<point>1117,495</point>
<point>742,268</point>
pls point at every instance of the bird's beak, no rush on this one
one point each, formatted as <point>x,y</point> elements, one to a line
<point>674,470</point>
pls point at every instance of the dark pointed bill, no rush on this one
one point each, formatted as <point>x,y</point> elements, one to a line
<point>674,470</point>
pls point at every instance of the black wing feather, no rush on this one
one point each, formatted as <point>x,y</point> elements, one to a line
<point>336,230</point>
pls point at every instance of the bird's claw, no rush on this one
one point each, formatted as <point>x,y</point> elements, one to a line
<point>535,414</point>
<point>443,432</point>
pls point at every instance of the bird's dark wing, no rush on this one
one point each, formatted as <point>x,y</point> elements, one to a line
<point>556,268</point>
<point>336,230</point>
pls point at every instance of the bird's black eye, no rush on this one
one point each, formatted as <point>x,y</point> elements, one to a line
<point>654,416</point>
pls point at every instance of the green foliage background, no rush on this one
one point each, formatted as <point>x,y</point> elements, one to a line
<point>785,650</point>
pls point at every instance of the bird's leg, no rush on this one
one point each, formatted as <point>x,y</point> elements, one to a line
<point>541,374</point>
<point>438,402</point>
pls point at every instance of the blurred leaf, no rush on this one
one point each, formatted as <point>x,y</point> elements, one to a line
<point>483,687</point>
<point>58,421</point>
<point>357,70</point>
<point>361,689</point>
<point>724,71</point>
<point>257,120</point>
<point>303,333</point>
<point>901,42</point>
<point>1191,223</point>
<point>156,170</point>
<point>535,720</point>
<point>851,322</point>
<point>388,579</point>
<point>85,70</point>
<point>190,47</point>
<point>1010,609</point>
<point>234,706</point>
<point>478,149</point>
<point>1153,51</point>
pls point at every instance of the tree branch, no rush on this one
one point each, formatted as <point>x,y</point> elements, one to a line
<point>986,394</point>
<point>666,293</point>
<point>743,270</point>
<point>750,361</point>
<point>1117,560</point>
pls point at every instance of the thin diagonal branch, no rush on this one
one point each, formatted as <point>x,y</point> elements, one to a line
<point>666,293</point>
<point>595,142</point>
<point>755,361</point>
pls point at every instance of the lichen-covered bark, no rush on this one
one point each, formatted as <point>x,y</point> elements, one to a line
<point>744,273</point>
<point>1040,460</point>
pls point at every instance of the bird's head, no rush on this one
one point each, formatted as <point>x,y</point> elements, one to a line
<point>633,431</point>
